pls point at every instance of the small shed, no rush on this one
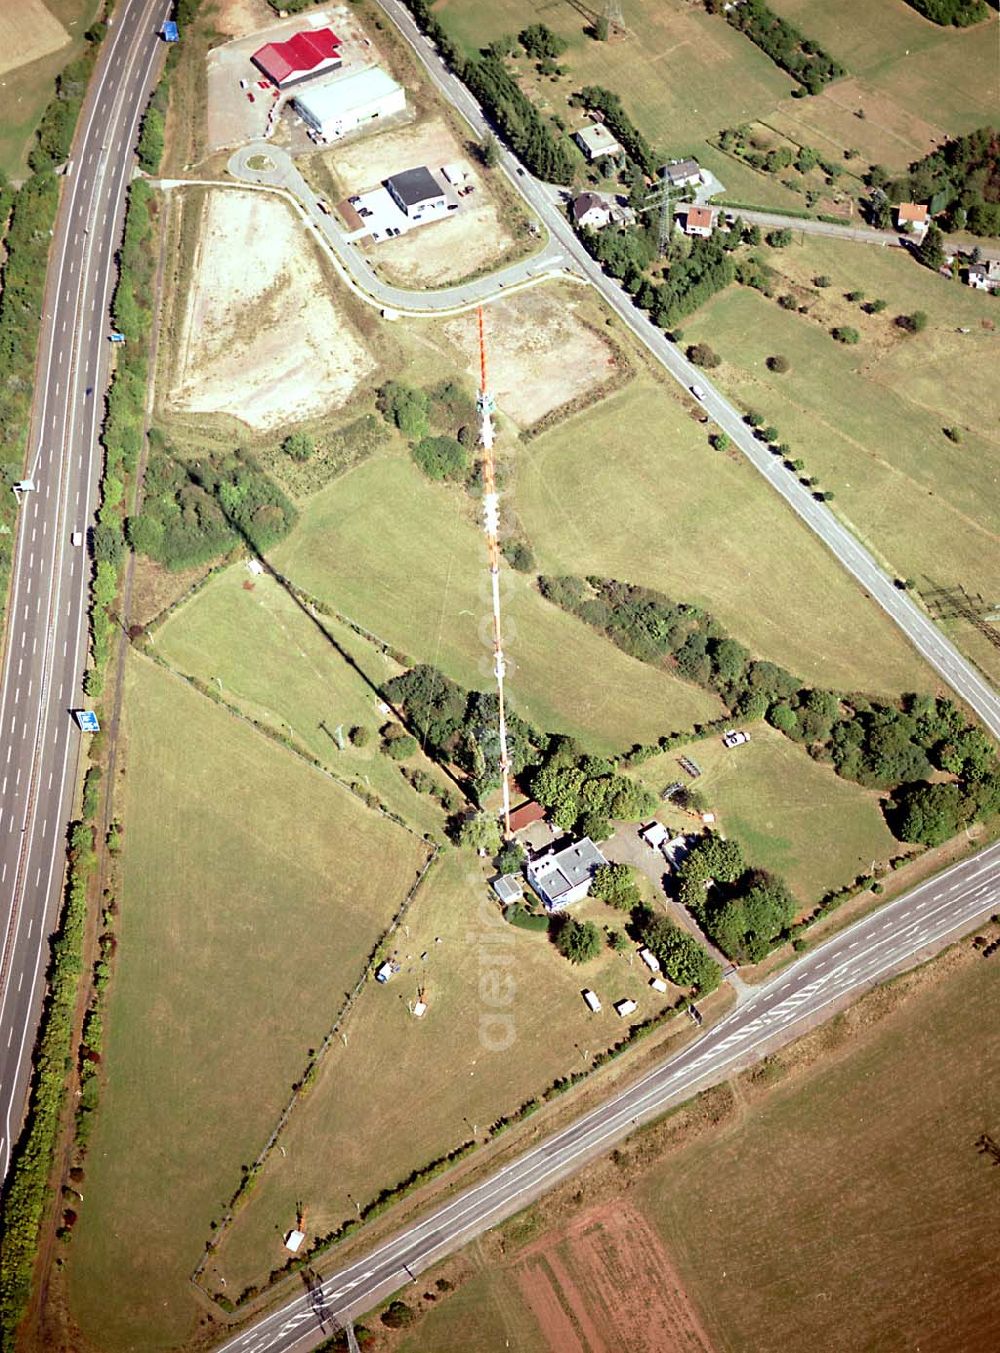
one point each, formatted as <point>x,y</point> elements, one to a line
<point>293,1241</point>
<point>650,960</point>
<point>592,1000</point>
<point>658,984</point>
<point>509,888</point>
<point>626,1007</point>
<point>385,972</point>
<point>420,1009</point>
<point>654,834</point>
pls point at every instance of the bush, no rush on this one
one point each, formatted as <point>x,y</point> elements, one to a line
<point>441,458</point>
<point>778,363</point>
<point>511,858</point>
<point>843,333</point>
<point>912,324</point>
<point>359,735</point>
<point>578,941</point>
<point>702,355</point>
<point>404,407</point>
<point>519,555</point>
<point>397,1315</point>
<point>397,743</point>
<point>299,446</point>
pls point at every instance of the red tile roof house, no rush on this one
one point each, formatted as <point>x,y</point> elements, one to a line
<point>914,215</point>
<point>699,221</point>
<point>300,58</point>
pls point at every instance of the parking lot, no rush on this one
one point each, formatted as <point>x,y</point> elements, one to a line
<point>242,105</point>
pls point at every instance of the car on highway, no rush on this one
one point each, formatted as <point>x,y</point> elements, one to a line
<point>76,538</point>
<point>698,392</point>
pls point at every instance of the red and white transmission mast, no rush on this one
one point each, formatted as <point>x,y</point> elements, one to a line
<point>486,406</point>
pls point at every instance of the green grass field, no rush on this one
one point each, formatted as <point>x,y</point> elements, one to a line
<point>253,891</point>
<point>791,815</point>
<point>869,419</point>
<point>425,1084</point>
<point>948,75</point>
<point>855,1189</point>
<point>406,559</point>
<point>632,490</point>
<point>251,639</point>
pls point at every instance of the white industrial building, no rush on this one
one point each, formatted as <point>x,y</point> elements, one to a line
<point>341,106</point>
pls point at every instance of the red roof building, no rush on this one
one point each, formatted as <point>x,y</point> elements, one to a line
<point>300,58</point>
<point>525,815</point>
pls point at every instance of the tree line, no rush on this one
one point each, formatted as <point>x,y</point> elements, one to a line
<point>957,13</point>
<point>898,747</point>
<point>803,59</point>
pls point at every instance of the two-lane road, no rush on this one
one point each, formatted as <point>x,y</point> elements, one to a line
<point>888,941</point>
<point>46,635</point>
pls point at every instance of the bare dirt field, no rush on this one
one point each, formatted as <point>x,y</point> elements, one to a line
<point>239,18</point>
<point>541,354</point>
<point>469,240</point>
<point>28,31</point>
<point>582,1284</point>
<point>261,338</point>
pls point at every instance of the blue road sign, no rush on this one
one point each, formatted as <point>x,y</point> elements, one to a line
<point>87,720</point>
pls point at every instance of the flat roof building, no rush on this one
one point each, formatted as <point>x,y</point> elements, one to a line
<point>305,55</point>
<point>562,877</point>
<point>416,192</point>
<point>334,108</point>
<point>595,140</point>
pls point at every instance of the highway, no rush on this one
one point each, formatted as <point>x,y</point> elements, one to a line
<point>891,939</point>
<point>46,638</point>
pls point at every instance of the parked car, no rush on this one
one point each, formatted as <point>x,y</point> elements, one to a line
<point>734,738</point>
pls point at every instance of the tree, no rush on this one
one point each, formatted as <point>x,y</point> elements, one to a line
<point>747,925</point>
<point>441,457</point>
<point>298,445</point>
<point>874,307</point>
<point>359,735</point>
<point>539,41</point>
<point>578,941</point>
<point>843,333</point>
<point>821,281</point>
<point>779,362</point>
<point>929,814</point>
<point>779,239</point>
<point>405,407</point>
<point>720,441</point>
<point>702,355</point>
<point>489,151</point>
<point>912,324</point>
<point>481,832</point>
<point>511,858</point>
<point>397,1315</point>
<point>682,958</point>
<point>930,250</point>
<point>855,296</point>
<point>618,941</point>
<point>615,884</point>
<point>397,743</point>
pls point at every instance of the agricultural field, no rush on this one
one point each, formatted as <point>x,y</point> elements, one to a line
<point>494,1062</point>
<point>253,890</point>
<point>36,41</point>
<point>406,558</point>
<point>792,815</point>
<point>858,1183</point>
<point>869,420</point>
<point>248,638</point>
<point>631,490</point>
<point>261,334</point>
<point>840,1156</point>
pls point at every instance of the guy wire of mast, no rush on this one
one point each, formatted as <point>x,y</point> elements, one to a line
<point>485,406</point>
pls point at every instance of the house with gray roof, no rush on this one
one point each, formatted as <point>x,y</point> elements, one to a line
<point>562,877</point>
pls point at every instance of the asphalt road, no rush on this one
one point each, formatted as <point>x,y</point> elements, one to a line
<point>890,940</point>
<point>47,619</point>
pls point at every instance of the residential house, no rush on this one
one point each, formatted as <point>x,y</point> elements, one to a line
<point>562,877</point>
<point>914,215</point>
<point>985,275</point>
<point>596,141</point>
<point>683,173</point>
<point>597,210</point>
<point>698,220</point>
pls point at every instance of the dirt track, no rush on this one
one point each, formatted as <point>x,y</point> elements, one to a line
<point>261,338</point>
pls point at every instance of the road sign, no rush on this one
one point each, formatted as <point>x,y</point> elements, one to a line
<point>87,721</point>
